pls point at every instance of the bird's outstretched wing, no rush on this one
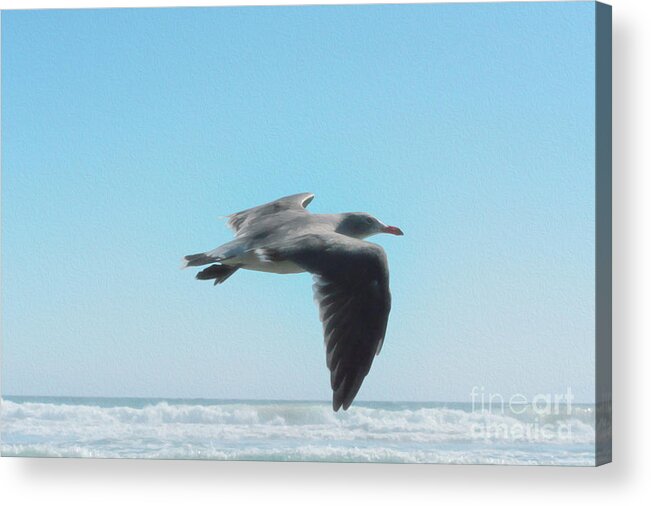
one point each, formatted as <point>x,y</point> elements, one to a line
<point>242,221</point>
<point>352,290</point>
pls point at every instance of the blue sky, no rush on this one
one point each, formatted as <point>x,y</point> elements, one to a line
<point>127,133</point>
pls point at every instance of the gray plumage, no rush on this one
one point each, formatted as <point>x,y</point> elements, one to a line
<point>351,276</point>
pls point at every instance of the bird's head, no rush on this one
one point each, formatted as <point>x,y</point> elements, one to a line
<point>363,225</point>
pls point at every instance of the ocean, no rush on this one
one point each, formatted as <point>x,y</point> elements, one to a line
<point>392,432</point>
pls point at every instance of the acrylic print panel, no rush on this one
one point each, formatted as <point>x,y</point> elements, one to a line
<point>456,163</point>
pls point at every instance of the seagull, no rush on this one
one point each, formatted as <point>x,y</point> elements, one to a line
<point>351,276</point>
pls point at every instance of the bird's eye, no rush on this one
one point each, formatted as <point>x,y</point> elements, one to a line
<point>369,220</point>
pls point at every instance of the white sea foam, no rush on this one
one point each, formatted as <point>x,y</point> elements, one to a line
<point>295,431</point>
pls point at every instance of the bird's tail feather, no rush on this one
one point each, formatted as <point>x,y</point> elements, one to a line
<point>198,259</point>
<point>218,272</point>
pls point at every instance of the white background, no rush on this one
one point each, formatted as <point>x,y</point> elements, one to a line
<point>626,481</point>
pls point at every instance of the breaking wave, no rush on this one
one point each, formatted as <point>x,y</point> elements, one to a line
<point>373,432</point>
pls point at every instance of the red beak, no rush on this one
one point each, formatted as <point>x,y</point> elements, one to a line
<point>392,230</point>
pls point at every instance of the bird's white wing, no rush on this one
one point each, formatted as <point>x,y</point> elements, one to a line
<point>352,290</point>
<point>246,219</point>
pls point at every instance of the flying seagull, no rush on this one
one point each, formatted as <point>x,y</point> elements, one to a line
<point>351,276</point>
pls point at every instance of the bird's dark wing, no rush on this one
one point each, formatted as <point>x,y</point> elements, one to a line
<point>244,220</point>
<point>352,290</point>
